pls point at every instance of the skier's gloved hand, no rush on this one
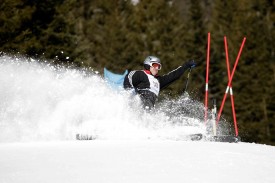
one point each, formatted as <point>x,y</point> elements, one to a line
<point>190,64</point>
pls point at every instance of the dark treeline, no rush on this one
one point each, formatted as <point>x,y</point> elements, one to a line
<point>119,34</point>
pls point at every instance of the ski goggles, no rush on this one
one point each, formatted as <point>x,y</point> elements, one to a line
<point>156,66</point>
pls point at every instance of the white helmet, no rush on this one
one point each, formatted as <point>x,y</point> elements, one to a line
<point>150,60</point>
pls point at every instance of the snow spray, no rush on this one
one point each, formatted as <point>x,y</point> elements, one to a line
<point>40,102</point>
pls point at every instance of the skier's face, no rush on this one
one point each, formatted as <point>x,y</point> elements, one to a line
<point>154,70</point>
<point>157,66</point>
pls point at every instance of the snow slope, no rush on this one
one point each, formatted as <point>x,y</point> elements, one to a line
<point>133,161</point>
<point>42,107</point>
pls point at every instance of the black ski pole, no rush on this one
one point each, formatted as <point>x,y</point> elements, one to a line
<point>187,81</point>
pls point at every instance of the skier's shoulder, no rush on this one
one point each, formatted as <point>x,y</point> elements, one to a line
<point>137,73</point>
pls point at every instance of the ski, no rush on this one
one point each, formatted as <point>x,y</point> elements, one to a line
<point>196,137</point>
<point>84,137</point>
<point>191,137</point>
<point>225,138</point>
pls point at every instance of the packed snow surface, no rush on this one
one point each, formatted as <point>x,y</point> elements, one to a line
<point>125,161</point>
<point>43,107</point>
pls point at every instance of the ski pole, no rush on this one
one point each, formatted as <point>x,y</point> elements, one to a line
<point>231,90</point>
<point>206,80</point>
<point>187,81</point>
<point>214,112</point>
<point>230,80</point>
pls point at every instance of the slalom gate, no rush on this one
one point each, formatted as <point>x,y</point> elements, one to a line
<point>216,118</point>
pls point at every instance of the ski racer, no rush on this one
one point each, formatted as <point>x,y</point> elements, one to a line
<point>147,83</point>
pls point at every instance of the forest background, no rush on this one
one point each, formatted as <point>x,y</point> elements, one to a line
<point>119,34</point>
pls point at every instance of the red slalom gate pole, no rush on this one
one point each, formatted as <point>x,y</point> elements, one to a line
<point>229,82</point>
<point>231,90</point>
<point>206,80</point>
<point>234,113</point>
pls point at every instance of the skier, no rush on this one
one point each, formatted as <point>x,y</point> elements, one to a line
<point>147,83</point>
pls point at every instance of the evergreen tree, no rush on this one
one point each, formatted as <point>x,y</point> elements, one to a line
<point>257,83</point>
<point>39,30</point>
<point>104,34</point>
<point>195,44</point>
<point>15,16</point>
<point>59,37</point>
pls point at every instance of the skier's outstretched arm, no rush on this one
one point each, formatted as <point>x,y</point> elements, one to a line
<point>172,76</point>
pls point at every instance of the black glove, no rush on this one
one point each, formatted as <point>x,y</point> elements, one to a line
<point>190,64</point>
